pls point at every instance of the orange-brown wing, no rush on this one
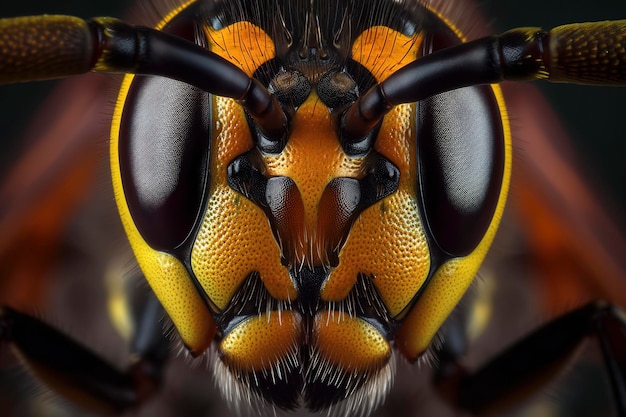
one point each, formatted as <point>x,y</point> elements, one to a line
<point>43,190</point>
<point>575,233</point>
<point>577,248</point>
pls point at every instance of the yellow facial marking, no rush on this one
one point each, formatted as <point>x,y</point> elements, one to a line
<point>259,343</point>
<point>235,238</point>
<point>387,242</point>
<point>383,51</point>
<point>349,343</point>
<point>312,158</point>
<point>242,44</point>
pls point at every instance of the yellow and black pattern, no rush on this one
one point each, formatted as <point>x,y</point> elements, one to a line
<point>306,260</point>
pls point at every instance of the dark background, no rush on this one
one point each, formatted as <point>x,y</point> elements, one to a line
<point>594,116</point>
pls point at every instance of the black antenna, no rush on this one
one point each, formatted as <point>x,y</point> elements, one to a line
<point>74,46</point>
<point>583,53</point>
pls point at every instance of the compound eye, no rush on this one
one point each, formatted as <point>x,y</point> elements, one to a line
<point>163,151</point>
<point>337,89</point>
<point>461,166</point>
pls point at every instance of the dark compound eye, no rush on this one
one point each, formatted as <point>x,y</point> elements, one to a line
<point>461,164</point>
<point>163,151</point>
<point>337,89</point>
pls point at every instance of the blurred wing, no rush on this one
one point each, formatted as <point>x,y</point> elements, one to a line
<point>577,249</point>
<point>65,156</point>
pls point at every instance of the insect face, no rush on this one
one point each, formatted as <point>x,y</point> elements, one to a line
<point>306,258</point>
<point>324,220</point>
